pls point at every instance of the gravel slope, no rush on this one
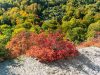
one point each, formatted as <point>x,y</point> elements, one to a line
<point>88,63</point>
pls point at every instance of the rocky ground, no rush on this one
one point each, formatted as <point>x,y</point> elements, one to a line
<point>87,63</point>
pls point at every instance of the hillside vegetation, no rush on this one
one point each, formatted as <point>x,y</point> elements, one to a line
<point>77,20</point>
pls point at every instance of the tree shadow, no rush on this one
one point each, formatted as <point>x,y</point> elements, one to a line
<point>4,67</point>
<point>78,63</point>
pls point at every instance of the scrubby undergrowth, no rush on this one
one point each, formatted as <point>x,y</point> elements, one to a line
<point>45,47</point>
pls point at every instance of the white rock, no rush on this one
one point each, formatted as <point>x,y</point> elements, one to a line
<point>87,63</point>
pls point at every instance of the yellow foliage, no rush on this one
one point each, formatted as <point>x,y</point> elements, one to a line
<point>19,21</point>
<point>1,17</point>
<point>12,11</point>
<point>23,13</point>
<point>16,31</point>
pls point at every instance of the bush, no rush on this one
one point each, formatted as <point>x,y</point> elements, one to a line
<point>75,30</point>
<point>92,29</point>
<point>25,25</point>
<point>20,43</point>
<point>50,24</point>
<point>6,32</point>
<point>76,35</point>
<point>51,47</point>
<point>95,41</point>
<point>45,47</point>
<point>22,27</point>
<point>16,31</point>
<point>3,51</point>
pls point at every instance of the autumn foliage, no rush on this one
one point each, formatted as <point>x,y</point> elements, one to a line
<point>20,43</point>
<point>94,42</point>
<point>45,47</point>
<point>51,47</point>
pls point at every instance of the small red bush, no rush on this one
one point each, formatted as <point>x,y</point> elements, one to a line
<point>20,43</point>
<point>45,47</point>
<point>51,47</point>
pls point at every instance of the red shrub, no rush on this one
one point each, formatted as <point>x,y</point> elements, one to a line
<point>43,54</point>
<point>51,47</point>
<point>45,47</point>
<point>20,43</point>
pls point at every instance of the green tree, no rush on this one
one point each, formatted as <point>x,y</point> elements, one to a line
<point>92,29</point>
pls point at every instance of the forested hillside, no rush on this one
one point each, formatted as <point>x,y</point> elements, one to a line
<point>78,20</point>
